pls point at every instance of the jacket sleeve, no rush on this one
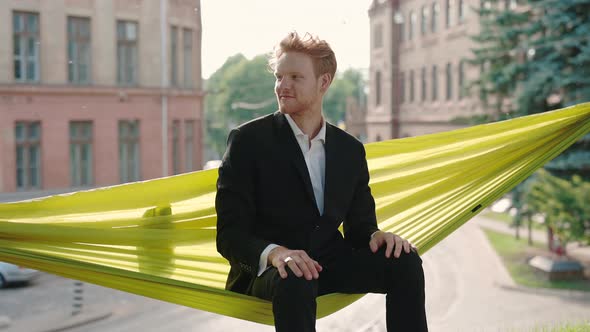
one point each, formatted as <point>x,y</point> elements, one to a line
<point>235,205</point>
<point>360,221</point>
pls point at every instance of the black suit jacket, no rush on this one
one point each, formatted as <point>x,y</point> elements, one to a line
<point>264,196</point>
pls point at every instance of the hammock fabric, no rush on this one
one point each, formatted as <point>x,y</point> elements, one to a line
<point>157,238</point>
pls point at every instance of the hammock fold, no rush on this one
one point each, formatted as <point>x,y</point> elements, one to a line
<point>157,238</point>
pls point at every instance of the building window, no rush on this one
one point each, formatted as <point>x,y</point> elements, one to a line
<point>129,161</point>
<point>127,58</point>
<point>412,26</point>
<point>378,36</point>
<point>402,87</point>
<point>378,88</point>
<point>81,170</point>
<point>173,56</point>
<point>26,46</point>
<point>449,82</point>
<point>187,40</point>
<point>176,147</point>
<point>434,21</point>
<point>462,10</point>
<point>424,20</point>
<point>434,82</point>
<point>449,12</point>
<point>79,61</point>
<point>461,78</point>
<point>423,83</point>
<point>28,155</point>
<point>411,86</point>
<point>189,145</point>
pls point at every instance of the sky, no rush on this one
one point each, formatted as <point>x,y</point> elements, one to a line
<point>253,27</point>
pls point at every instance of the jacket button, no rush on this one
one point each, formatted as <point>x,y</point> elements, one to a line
<point>317,227</point>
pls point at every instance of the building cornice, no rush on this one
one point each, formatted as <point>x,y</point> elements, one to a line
<point>58,89</point>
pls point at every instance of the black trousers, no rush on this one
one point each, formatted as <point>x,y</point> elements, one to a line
<point>352,272</point>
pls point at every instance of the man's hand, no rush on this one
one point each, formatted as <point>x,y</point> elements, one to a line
<point>392,241</point>
<point>297,260</point>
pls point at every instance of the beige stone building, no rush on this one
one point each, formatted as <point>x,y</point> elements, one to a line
<point>98,92</point>
<point>417,67</point>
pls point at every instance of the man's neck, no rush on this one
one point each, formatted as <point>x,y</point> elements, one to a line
<point>310,123</point>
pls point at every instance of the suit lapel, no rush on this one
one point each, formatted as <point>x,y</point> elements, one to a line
<point>291,150</point>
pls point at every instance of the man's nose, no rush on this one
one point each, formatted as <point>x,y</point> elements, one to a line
<point>284,84</point>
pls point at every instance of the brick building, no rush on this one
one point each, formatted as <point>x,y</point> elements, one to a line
<point>418,69</point>
<point>90,90</point>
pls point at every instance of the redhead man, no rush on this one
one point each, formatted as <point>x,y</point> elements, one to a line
<point>287,181</point>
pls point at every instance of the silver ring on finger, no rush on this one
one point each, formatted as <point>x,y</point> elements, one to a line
<point>288,259</point>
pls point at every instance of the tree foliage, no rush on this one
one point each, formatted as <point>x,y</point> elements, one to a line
<point>533,59</point>
<point>563,203</point>
<point>348,83</point>
<point>237,83</point>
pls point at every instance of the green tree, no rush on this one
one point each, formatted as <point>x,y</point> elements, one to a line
<point>498,57</point>
<point>558,70</point>
<point>537,59</point>
<point>564,205</point>
<point>239,91</point>
<point>348,83</point>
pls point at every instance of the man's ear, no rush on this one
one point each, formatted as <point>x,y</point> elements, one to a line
<point>325,81</point>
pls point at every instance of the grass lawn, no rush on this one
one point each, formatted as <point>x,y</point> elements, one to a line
<point>515,253</point>
<point>581,327</point>
<point>507,219</point>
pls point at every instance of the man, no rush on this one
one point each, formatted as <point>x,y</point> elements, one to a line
<point>288,180</point>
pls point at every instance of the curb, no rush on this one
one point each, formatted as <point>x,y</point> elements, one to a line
<point>57,322</point>
<point>576,294</point>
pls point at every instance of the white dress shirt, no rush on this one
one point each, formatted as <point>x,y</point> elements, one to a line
<point>315,158</point>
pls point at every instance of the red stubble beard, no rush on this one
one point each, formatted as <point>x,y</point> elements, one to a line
<point>288,105</point>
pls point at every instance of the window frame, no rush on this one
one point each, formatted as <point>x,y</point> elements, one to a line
<point>28,144</point>
<point>74,62</point>
<point>22,37</point>
<point>124,78</point>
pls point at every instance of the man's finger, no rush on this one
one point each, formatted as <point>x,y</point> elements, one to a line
<point>293,266</point>
<point>303,267</point>
<point>311,266</point>
<point>407,246</point>
<point>282,271</point>
<point>399,243</point>
<point>318,267</point>
<point>390,242</point>
<point>373,245</point>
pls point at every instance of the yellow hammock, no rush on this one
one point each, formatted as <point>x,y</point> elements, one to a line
<point>157,238</point>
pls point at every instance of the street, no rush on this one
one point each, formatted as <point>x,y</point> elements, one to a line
<point>467,289</point>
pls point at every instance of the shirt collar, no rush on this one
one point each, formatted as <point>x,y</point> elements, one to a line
<point>297,131</point>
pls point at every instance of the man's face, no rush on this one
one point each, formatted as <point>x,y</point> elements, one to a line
<point>296,86</point>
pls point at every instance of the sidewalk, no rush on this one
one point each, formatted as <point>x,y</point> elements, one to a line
<point>574,250</point>
<point>54,321</point>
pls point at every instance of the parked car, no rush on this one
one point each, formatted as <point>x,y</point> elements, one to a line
<point>10,273</point>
